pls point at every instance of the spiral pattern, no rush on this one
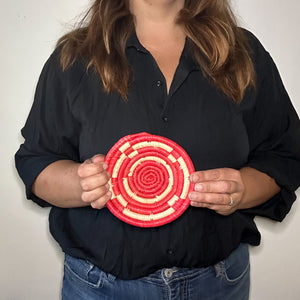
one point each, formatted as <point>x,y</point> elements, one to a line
<point>149,180</point>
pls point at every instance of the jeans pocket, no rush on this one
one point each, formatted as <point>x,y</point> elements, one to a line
<point>82,271</point>
<point>235,267</point>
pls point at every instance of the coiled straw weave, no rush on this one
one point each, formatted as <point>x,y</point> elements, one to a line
<point>149,180</point>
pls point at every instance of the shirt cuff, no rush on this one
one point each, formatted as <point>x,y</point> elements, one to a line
<point>280,170</point>
<point>29,169</point>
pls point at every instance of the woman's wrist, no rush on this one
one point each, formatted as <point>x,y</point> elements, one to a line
<point>258,188</point>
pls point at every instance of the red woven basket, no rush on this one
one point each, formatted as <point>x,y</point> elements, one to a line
<point>149,180</point>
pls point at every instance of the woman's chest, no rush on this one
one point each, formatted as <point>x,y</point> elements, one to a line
<point>199,118</point>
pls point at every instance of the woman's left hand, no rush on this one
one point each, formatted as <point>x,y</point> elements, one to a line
<point>218,189</point>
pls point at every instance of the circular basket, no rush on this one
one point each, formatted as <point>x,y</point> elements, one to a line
<point>149,180</point>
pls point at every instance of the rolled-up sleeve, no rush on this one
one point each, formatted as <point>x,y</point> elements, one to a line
<point>51,131</point>
<point>274,138</point>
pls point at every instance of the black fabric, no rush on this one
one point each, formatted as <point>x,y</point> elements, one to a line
<point>73,118</point>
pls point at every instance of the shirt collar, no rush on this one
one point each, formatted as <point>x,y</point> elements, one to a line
<point>133,41</point>
<point>186,59</point>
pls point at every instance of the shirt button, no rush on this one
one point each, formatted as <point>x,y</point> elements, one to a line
<point>158,83</point>
<point>165,119</point>
<point>170,251</point>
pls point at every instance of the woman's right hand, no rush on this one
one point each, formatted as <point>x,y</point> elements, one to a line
<point>94,180</point>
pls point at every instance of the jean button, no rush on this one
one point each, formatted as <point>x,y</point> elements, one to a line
<point>168,273</point>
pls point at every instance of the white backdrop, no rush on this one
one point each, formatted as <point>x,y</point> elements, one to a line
<point>30,261</point>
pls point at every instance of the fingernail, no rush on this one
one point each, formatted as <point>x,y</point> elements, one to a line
<point>105,166</point>
<point>107,186</point>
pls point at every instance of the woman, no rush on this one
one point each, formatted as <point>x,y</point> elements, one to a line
<point>179,69</point>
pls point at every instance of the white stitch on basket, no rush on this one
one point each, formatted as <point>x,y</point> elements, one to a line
<point>152,144</point>
<point>136,216</point>
<point>133,154</point>
<point>111,189</point>
<point>118,165</point>
<point>123,202</point>
<point>173,200</point>
<point>163,214</point>
<point>172,158</point>
<point>148,218</point>
<point>185,171</point>
<point>185,189</point>
<point>124,147</point>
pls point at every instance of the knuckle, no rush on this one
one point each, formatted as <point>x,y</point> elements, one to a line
<point>207,187</point>
<point>196,204</point>
<point>85,185</point>
<point>98,168</point>
<point>194,196</point>
<point>202,197</point>
<point>93,205</point>
<point>101,167</point>
<point>223,199</point>
<point>84,169</point>
<point>101,202</point>
<point>227,202</point>
<point>225,186</point>
<point>215,174</point>
<point>236,174</point>
<point>85,197</point>
<point>109,195</point>
<point>103,177</point>
<point>102,191</point>
<point>97,204</point>
<point>107,176</point>
<point>199,197</point>
<point>196,176</point>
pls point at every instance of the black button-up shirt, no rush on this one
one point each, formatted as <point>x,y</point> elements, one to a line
<point>73,118</point>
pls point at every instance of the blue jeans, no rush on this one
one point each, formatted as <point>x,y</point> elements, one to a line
<point>227,280</point>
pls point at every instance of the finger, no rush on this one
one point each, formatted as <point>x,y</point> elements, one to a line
<point>224,210</point>
<point>222,187</point>
<point>210,198</point>
<point>101,202</point>
<point>215,174</point>
<point>88,168</point>
<point>92,182</point>
<point>91,196</point>
<point>215,207</point>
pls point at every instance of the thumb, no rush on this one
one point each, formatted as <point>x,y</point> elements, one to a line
<point>98,158</point>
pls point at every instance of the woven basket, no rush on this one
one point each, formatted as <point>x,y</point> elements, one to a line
<point>149,180</point>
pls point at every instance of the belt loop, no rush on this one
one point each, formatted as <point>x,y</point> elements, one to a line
<point>111,277</point>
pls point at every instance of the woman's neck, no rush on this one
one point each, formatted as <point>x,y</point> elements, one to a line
<point>159,33</point>
<point>156,19</point>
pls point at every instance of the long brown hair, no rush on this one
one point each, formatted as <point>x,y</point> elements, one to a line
<point>218,44</point>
